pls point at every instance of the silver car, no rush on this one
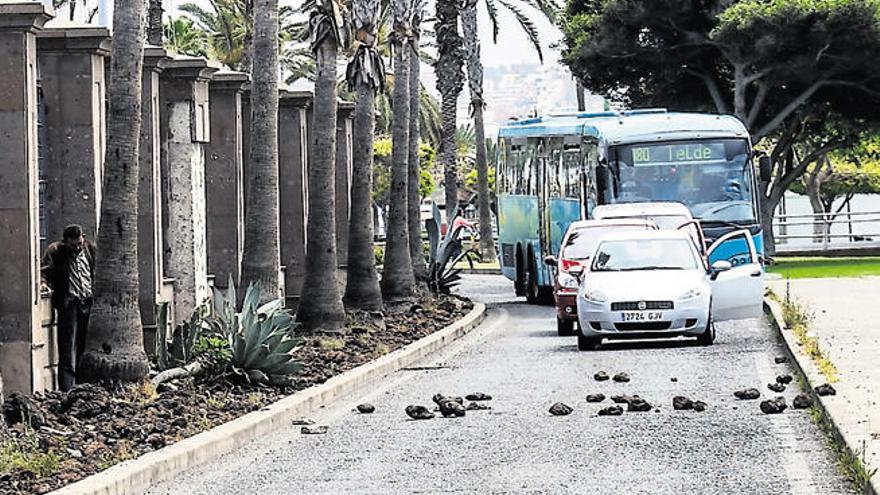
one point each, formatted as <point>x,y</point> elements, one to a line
<point>652,284</point>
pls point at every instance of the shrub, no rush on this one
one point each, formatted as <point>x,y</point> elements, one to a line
<point>260,337</point>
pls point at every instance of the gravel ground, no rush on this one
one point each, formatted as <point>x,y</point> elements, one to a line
<point>518,447</point>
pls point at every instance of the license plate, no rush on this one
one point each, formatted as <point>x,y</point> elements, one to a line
<point>641,316</point>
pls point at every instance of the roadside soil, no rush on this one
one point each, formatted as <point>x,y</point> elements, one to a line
<point>74,435</point>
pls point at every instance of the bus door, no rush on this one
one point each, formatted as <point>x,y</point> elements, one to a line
<point>543,190</point>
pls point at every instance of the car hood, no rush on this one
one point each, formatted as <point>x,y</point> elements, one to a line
<point>647,285</point>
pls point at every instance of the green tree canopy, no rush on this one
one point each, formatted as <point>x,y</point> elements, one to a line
<point>783,67</point>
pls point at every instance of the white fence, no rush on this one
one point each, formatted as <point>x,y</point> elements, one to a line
<point>856,226</point>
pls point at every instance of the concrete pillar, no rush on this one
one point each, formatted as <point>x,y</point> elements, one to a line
<point>293,185</point>
<point>72,71</point>
<point>185,127</point>
<point>224,179</point>
<point>150,196</point>
<point>343,178</point>
<point>19,205</point>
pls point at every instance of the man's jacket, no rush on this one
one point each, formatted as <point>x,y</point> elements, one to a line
<point>55,268</point>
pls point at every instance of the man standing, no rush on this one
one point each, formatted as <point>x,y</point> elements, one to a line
<point>68,268</point>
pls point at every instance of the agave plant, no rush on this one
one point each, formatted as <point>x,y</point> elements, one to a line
<point>261,337</point>
<point>442,274</point>
<point>179,350</point>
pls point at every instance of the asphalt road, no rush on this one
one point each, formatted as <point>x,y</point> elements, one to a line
<point>519,448</point>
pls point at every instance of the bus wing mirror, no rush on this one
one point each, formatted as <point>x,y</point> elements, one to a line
<point>765,168</point>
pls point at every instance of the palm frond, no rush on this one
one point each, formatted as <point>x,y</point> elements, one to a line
<point>527,25</point>
<point>492,9</point>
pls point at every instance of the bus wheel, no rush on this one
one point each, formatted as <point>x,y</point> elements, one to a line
<point>519,284</point>
<point>533,293</point>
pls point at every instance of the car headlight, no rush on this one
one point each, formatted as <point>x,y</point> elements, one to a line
<point>567,281</point>
<point>596,296</point>
<point>690,294</point>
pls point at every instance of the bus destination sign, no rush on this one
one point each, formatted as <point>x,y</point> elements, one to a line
<point>677,153</point>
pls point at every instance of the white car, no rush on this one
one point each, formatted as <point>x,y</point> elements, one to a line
<point>655,284</point>
<point>666,214</point>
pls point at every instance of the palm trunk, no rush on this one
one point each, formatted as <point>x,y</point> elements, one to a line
<point>398,280</point>
<point>320,306</point>
<point>475,82</point>
<point>115,343</point>
<point>362,287</point>
<point>154,23</point>
<point>420,268</point>
<point>581,96</point>
<point>449,84</point>
<point>261,260</point>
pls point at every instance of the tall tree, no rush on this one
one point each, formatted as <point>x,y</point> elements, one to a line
<point>115,344</point>
<point>775,64</point>
<point>154,22</point>
<point>365,75</point>
<point>450,82</point>
<point>420,268</point>
<point>475,82</point>
<point>261,259</point>
<point>398,280</point>
<point>321,305</point>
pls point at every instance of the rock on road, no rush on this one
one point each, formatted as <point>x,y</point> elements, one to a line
<point>517,447</point>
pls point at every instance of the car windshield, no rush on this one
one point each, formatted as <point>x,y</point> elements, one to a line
<point>664,222</point>
<point>582,242</point>
<point>712,177</point>
<point>644,254</point>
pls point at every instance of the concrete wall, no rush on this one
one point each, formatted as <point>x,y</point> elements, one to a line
<point>19,216</point>
<point>343,178</point>
<point>72,71</point>
<point>185,127</point>
<point>224,178</point>
<point>293,188</point>
<point>151,282</point>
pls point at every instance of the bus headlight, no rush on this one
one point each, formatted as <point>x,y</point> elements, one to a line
<point>566,281</point>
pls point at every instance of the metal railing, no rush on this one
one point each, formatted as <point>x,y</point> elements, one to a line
<point>829,230</point>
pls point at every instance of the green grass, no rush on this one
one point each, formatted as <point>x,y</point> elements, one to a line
<point>826,267</point>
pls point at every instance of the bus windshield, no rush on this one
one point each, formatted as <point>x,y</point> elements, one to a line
<point>712,177</point>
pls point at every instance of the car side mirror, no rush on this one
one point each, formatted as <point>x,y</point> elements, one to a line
<point>550,260</point>
<point>718,267</point>
<point>576,271</point>
<point>765,168</point>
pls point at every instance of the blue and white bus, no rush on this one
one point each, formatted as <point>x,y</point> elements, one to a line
<point>554,170</point>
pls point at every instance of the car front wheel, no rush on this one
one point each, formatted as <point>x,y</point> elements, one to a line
<point>564,327</point>
<point>588,343</point>
<point>708,336</point>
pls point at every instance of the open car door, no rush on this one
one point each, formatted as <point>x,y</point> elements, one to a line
<point>738,293</point>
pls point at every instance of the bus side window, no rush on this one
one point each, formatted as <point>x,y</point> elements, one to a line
<point>555,175</point>
<point>572,172</point>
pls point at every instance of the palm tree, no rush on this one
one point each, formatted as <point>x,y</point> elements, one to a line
<point>183,37</point>
<point>478,104</point>
<point>115,342</point>
<point>365,75</point>
<point>154,23</point>
<point>420,269</point>
<point>450,81</point>
<point>229,27</point>
<point>398,280</point>
<point>261,259</point>
<point>321,306</point>
<point>475,82</point>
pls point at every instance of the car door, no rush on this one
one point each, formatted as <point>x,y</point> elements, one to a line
<point>738,293</point>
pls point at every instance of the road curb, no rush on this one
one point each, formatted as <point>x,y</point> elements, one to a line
<point>136,475</point>
<point>813,378</point>
<point>481,271</point>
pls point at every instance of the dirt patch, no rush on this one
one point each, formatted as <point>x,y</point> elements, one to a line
<point>91,428</point>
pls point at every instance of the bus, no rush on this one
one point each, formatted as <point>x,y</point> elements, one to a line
<point>554,170</point>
